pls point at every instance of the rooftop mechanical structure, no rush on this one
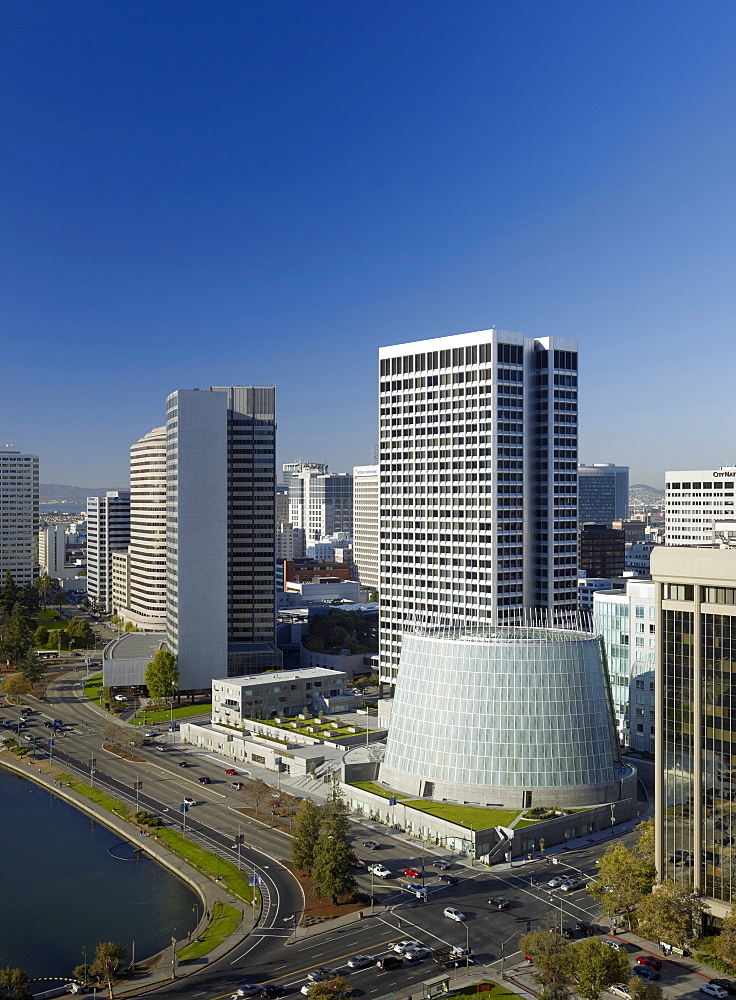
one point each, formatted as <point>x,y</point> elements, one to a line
<point>505,715</point>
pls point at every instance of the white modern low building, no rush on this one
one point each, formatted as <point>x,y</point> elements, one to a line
<point>283,693</point>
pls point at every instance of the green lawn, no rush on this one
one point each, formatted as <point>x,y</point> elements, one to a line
<point>225,920</point>
<point>476,819</point>
<point>93,687</point>
<point>148,718</point>
<point>495,991</point>
<point>96,795</point>
<point>371,786</point>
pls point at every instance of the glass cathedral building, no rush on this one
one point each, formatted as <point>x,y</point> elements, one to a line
<point>511,716</point>
<point>696,720</point>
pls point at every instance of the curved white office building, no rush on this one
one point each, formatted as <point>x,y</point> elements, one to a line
<point>504,716</point>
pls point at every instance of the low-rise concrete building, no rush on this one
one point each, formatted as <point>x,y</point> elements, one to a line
<point>283,693</point>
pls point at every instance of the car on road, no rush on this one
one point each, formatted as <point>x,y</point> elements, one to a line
<point>612,944</point>
<point>714,991</point>
<point>46,725</point>
<point>417,953</point>
<point>150,733</point>
<point>726,984</point>
<point>450,879</point>
<point>389,962</point>
<point>568,932</point>
<point>120,697</point>
<point>203,779</point>
<point>500,902</point>
<point>371,845</point>
<point>453,914</point>
<point>417,888</point>
<point>412,873</point>
<point>380,871</point>
<point>650,975</point>
<point>161,748</point>
<point>569,884</point>
<point>272,992</point>
<point>555,882</point>
<point>360,961</point>
<point>653,962</point>
<point>230,770</point>
<point>183,763</point>
<point>401,946</point>
<point>359,863</point>
<point>317,975</point>
<point>442,865</point>
<point>237,785</point>
<point>248,990</point>
<point>188,801</point>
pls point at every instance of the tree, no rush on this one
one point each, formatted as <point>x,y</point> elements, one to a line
<point>644,847</point>
<point>79,630</point>
<point>31,668</point>
<point>640,989</point>
<point>671,913</point>
<point>15,687</point>
<point>162,675</point>
<point>108,959</point>
<point>41,637</point>
<point>726,943</point>
<point>306,833</point>
<point>334,988</point>
<point>624,879</point>
<point>60,598</point>
<point>9,593</point>
<point>14,984</point>
<point>548,950</point>
<point>17,638</point>
<point>255,791</point>
<point>44,585</point>
<point>333,865</point>
<point>594,967</point>
<point>81,973</point>
<point>116,735</point>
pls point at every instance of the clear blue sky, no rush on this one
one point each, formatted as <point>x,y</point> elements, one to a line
<point>205,193</point>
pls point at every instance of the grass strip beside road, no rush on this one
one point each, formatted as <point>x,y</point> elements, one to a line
<point>218,869</point>
<point>93,687</point>
<point>149,718</point>
<point>224,922</point>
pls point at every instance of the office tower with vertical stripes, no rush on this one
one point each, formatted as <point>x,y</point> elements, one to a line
<point>478,482</point>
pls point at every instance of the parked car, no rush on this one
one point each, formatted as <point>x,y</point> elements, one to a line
<point>453,914</point>
<point>359,863</point>
<point>401,946</point>
<point>371,845</point>
<point>654,963</point>
<point>389,962</point>
<point>726,984</point>
<point>568,932</point>
<point>120,697</point>
<point>412,873</point>
<point>650,975</point>
<point>620,991</point>
<point>450,879</point>
<point>360,961</point>
<point>380,871</point>
<point>714,991</point>
<point>500,902</point>
<point>203,779</point>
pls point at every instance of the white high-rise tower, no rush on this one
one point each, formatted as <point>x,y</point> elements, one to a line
<point>478,481</point>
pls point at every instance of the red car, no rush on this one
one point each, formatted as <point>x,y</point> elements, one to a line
<point>412,872</point>
<point>650,961</point>
<point>230,771</point>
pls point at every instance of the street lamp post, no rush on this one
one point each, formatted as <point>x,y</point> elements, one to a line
<point>467,944</point>
<point>195,910</point>
<point>372,898</point>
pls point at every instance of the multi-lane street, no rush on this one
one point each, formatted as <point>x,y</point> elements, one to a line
<point>273,952</point>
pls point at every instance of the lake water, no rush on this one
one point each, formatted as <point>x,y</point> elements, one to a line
<point>65,887</point>
<point>65,507</point>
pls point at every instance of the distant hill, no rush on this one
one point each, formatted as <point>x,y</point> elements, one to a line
<point>51,492</point>
<point>641,495</point>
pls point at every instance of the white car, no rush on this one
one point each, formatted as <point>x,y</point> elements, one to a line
<point>380,871</point>
<point>401,946</point>
<point>453,914</point>
<point>360,961</point>
<point>569,884</point>
<point>714,991</point>
<point>417,952</point>
<point>120,697</point>
<point>190,802</point>
<point>614,944</point>
<point>554,882</point>
<point>317,975</point>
